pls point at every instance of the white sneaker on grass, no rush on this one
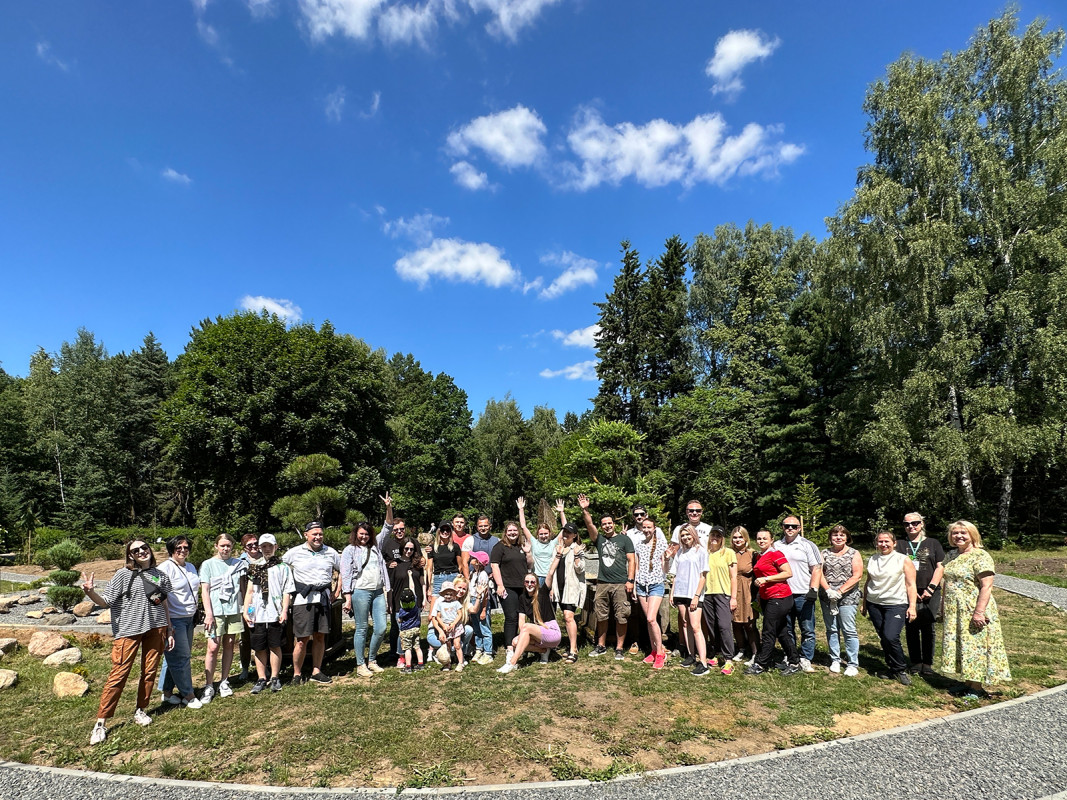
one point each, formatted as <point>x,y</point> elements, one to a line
<point>208,694</point>
<point>173,699</point>
<point>224,689</point>
<point>192,703</point>
<point>851,671</point>
<point>835,667</point>
<point>805,665</point>
<point>99,733</point>
<point>141,718</point>
<point>508,667</point>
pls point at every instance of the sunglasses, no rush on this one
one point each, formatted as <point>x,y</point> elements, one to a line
<point>182,548</point>
<point>695,510</point>
<point>142,550</point>
<point>529,583</point>
<point>913,524</point>
<point>791,527</point>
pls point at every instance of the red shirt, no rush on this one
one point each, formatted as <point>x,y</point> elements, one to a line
<point>766,566</point>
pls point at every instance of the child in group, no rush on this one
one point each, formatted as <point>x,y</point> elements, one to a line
<point>479,590</point>
<point>409,619</point>
<point>266,609</point>
<point>448,621</point>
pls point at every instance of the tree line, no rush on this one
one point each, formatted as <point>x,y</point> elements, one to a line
<point>913,359</point>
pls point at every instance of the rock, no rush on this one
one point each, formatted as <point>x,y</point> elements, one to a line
<point>72,655</point>
<point>104,618</point>
<point>44,643</point>
<point>9,645</point>
<point>63,619</point>
<point>69,684</point>
<point>29,600</point>
<point>34,614</point>
<point>49,610</point>
<point>43,590</point>
<point>5,609</point>
<point>83,609</point>
<point>8,678</point>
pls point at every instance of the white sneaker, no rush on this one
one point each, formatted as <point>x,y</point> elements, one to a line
<point>806,666</point>
<point>208,694</point>
<point>740,656</point>
<point>851,671</point>
<point>487,658</point>
<point>508,667</point>
<point>459,667</point>
<point>835,667</point>
<point>173,699</point>
<point>99,733</point>
<point>477,657</point>
<point>142,718</point>
<point>193,704</point>
<point>224,689</point>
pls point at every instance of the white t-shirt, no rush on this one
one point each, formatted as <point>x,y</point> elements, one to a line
<point>185,586</point>
<point>279,583</point>
<point>689,566</point>
<point>313,567</point>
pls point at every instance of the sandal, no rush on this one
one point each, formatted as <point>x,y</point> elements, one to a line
<point>572,658</point>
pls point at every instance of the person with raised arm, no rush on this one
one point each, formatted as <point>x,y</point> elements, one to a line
<point>511,560</point>
<point>542,543</point>
<point>566,582</point>
<point>615,582</point>
<point>137,597</point>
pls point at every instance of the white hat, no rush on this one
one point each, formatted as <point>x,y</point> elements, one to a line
<point>447,586</point>
<point>268,538</point>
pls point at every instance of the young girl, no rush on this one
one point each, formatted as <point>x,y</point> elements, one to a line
<point>479,593</point>
<point>543,543</point>
<point>649,586</point>
<point>687,594</point>
<point>266,604</point>
<point>720,600</point>
<point>744,615</point>
<point>448,622</point>
<point>538,629</point>
<point>566,583</point>
<point>222,613</point>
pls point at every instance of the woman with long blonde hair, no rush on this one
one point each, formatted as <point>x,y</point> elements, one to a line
<point>538,629</point>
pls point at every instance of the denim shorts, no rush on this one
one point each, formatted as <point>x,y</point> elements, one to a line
<point>650,590</point>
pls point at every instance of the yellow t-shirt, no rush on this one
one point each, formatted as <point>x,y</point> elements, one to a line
<point>719,564</point>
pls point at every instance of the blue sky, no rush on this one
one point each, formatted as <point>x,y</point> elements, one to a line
<point>450,178</point>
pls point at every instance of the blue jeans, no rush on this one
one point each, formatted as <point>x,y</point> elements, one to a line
<point>843,625</point>
<point>435,641</point>
<point>439,580</point>
<point>176,672</point>
<point>483,634</point>
<point>365,601</point>
<point>804,613</point>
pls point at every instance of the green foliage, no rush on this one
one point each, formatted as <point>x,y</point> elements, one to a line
<point>65,597</point>
<point>810,509</point>
<point>65,555</point>
<point>502,445</point>
<point>318,502</point>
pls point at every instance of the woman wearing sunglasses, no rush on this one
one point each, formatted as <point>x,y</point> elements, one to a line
<point>538,629</point>
<point>137,597</point>
<point>181,605</point>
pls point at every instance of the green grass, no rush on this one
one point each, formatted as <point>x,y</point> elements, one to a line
<point>595,720</point>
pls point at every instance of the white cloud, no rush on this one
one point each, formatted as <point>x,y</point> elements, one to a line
<point>457,261</point>
<point>410,24</point>
<point>511,138</point>
<point>660,152</point>
<point>583,337</point>
<point>351,18</point>
<point>286,309</point>
<point>419,229</point>
<point>578,272</point>
<point>44,52</point>
<point>375,101</point>
<point>582,371</point>
<point>173,175</point>
<point>335,104</point>
<point>733,52</point>
<point>260,8</point>
<point>207,33</point>
<point>469,176</point>
<point>533,286</point>
<point>511,16</point>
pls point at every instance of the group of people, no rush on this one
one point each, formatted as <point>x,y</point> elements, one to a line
<point>388,580</point>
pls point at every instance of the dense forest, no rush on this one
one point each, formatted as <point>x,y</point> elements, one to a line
<point>913,359</point>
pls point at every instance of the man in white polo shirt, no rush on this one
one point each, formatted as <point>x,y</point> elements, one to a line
<point>806,562</point>
<point>316,569</point>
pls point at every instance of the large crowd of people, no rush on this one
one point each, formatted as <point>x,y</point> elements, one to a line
<point>735,604</point>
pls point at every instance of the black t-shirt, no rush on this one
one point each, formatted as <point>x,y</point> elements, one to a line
<point>393,548</point>
<point>548,614</point>
<point>398,579</point>
<point>445,559</point>
<point>512,563</point>
<point>929,554</point>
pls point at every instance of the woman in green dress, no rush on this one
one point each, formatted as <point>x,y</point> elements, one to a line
<point>973,647</point>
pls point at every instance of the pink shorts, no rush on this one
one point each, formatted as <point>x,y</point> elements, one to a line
<point>550,635</point>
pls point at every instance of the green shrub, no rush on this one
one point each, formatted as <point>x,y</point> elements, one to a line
<point>64,555</point>
<point>65,597</point>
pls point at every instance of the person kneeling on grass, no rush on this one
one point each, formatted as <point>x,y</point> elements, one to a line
<point>538,629</point>
<point>409,622</point>
<point>448,623</point>
<point>266,610</point>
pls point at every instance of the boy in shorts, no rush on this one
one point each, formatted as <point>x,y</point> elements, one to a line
<point>409,618</point>
<point>266,610</point>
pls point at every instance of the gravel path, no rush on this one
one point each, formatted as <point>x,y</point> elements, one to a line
<point>1008,751</point>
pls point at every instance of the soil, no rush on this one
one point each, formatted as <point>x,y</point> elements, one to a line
<point>1050,567</point>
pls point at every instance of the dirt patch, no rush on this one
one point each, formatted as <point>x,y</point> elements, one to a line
<point>1051,567</point>
<point>880,719</point>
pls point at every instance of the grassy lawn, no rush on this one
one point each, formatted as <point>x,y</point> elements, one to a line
<point>595,719</point>
<point>1046,565</point>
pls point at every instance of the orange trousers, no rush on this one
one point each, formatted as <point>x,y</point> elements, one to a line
<point>123,653</point>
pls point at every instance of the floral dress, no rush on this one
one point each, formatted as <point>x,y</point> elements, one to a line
<point>973,655</point>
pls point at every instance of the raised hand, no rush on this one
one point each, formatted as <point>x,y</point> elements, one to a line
<point>387,499</point>
<point>583,502</point>
<point>88,583</point>
<point>559,506</point>
<point>521,503</point>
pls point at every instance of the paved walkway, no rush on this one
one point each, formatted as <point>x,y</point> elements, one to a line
<point>1016,750</point>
